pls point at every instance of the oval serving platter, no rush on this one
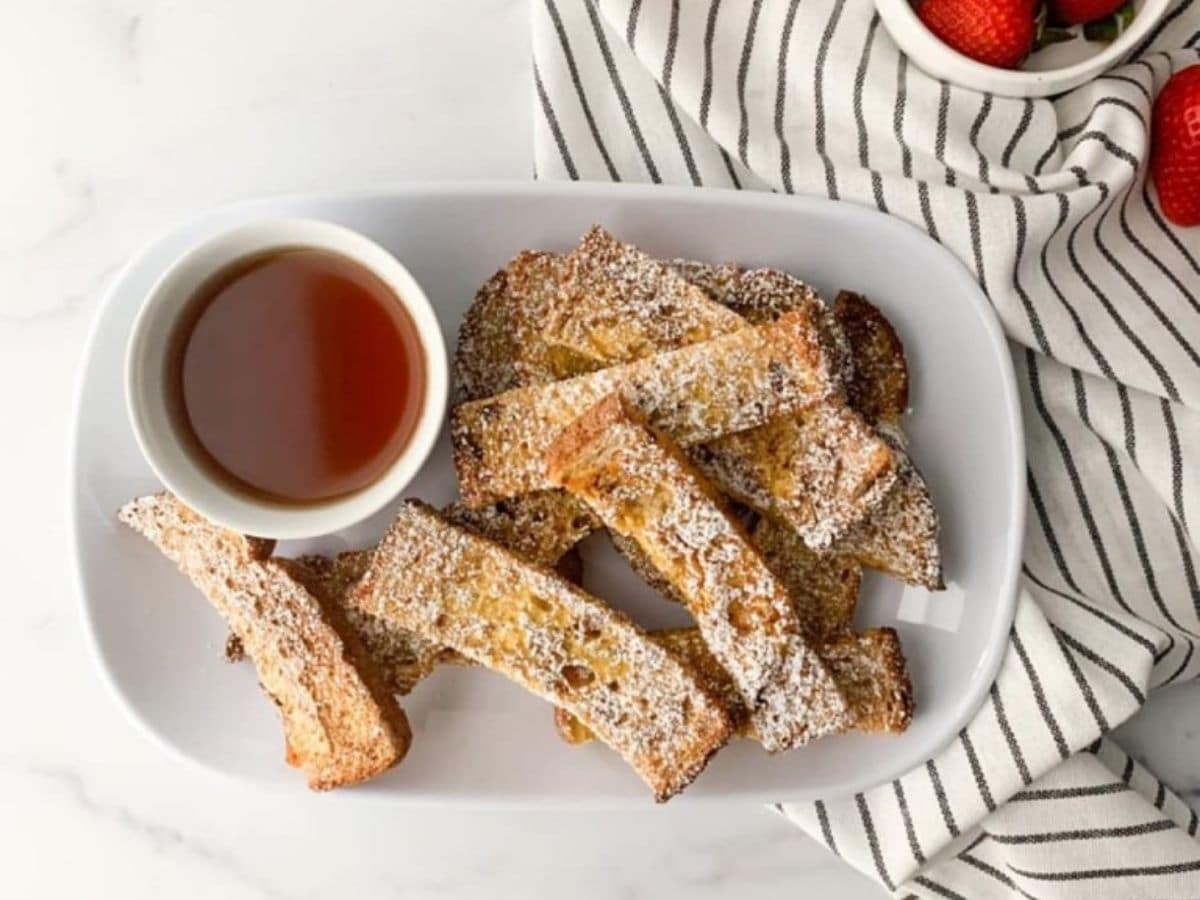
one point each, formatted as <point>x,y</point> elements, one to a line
<point>479,740</point>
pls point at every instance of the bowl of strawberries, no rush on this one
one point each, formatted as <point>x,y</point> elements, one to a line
<point>1019,48</point>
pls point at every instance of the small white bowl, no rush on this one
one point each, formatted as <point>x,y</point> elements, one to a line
<point>1054,70</point>
<point>148,403</point>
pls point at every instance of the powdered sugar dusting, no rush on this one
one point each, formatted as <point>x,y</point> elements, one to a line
<point>499,342</point>
<point>901,537</point>
<point>868,667</point>
<point>618,304</point>
<point>695,394</point>
<point>460,590</point>
<point>646,491</point>
<point>820,472</point>
<point>404,658</point>
<point>541,526</point>
<point>824,587</point>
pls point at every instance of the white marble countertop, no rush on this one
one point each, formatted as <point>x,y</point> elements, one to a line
<point>121,118</point>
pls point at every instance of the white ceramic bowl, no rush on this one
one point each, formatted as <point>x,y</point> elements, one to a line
<point>147,399</point>
<point>1055,69</point>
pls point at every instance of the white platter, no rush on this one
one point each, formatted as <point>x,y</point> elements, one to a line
<point>478,739</point>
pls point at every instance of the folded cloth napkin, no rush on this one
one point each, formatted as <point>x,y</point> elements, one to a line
<point>1047,202</point>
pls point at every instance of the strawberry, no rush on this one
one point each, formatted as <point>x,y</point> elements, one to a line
<point>995,32</point>
<point>1175,153</point>
<point>1076,12</point>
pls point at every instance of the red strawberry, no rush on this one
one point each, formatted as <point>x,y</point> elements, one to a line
<point>1076,12</point>
<point>1175,154</point>
<point>995,32</point>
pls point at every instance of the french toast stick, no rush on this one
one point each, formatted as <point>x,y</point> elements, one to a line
<point>868,666</point>
<point>757,295</point>
<point>695,394</point>
<point>901,537</point>
<point>498,345</point>
<point>641,486</point>
<point>618,304</point>
<point>821,470</point>
<point>823,587</point>
<point>463,591</point>
<point>341,725</point>
<point>878,386</point>
<point>404,657</point>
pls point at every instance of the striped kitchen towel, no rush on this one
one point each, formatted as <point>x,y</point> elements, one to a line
<point>1047,202</point>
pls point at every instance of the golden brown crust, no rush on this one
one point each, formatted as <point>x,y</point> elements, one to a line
<point>523,621</point>
<point>695,394</point>
<point>757,295</point>
<point>643,568</point>
<point>823,587</point>
<point>617,304</point>
<point>642,487</point>
<point>821,470</point>
<point>403,657</point>
<point>570,729</point>
<point>341,724</point>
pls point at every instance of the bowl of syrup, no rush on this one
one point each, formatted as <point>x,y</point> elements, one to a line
<point>286,378</point>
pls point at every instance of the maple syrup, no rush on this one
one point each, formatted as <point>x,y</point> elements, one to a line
<point>297,375</point>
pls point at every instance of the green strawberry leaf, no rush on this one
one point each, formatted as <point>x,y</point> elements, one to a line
<point>1049,31</point>
<point>1110,28</point>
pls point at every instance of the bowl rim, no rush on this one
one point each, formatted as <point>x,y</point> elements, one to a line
<point>928,44</point>
<point>174,466</point>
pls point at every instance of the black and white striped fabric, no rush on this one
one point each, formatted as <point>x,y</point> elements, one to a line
<point>1047,202</point>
